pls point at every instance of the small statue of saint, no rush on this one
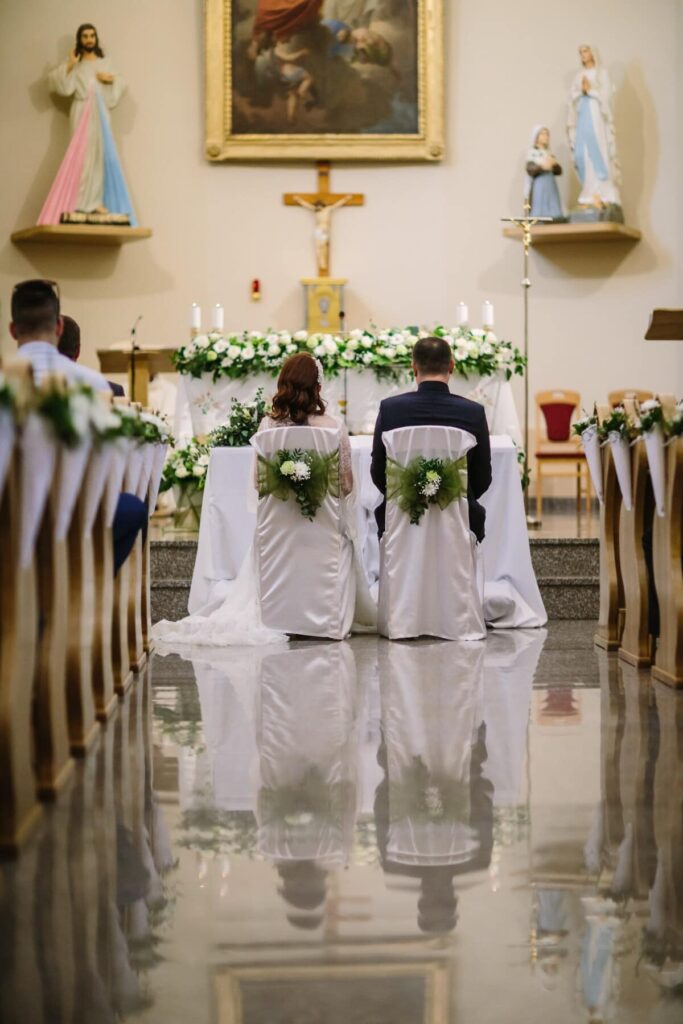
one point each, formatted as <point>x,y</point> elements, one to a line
<point>542,168</point>
<point>590,128</point>
<point>323,226</point>
<point>90,180</point>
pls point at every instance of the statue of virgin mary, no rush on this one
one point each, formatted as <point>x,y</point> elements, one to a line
<point>590,127</point>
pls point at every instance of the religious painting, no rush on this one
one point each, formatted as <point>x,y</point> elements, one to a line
<point>385,993</point>
<point>323,79</point>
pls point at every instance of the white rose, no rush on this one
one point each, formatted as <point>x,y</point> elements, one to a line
<point>460,355</point>
<point>352,343</point>
<point>348,354</point>
<point>272,339</point>
<point>225,363</point>
<point>301,336</point>
<point>490,336</point>
<point>367,358</point>
<point>201,341</point>
<point>486,349</point>
<point>199,470</point>
<point>248,352</point>
<point>383,337</point>
<point>220,346</point>
<point>472,347</point>
<point>273,350</point>
<point>401,350</point>
<point>291,348</point>
<point>80,406</point>
<point>234,352</point>
<point>329,345</point>
<point>181,472</point>
<point>285,337</point>
<point>211,356</point>
<point>319,350</point>
<point>356,334</point>
<point>367,342</point>
<point>203,460</point>
<point>312,343</point>
<point>477,332</point>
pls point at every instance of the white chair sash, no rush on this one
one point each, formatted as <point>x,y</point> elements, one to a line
<point>95,483</point>
<point>39,457</point>
<point>654,446</point>
<point>155,476</point>
<point>134,467</point>
<point>7,436</point>
<point>428,583</point>
<point>122,450</point>
<point>306,580</point>
<point>72,469</point>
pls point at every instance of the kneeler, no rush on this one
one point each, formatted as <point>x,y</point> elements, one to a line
<point>611,614</point>
<point>158,459</point>
<point>636,645</point>
<point>19,809</point>
<point>668,563</point>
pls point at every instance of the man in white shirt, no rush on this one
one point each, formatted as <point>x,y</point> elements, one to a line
<point>37,327</point>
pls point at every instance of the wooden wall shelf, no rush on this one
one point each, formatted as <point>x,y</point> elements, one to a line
<point>77,234</point>
<point>553,234</point>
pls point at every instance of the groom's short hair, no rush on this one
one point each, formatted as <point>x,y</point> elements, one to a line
<point>432,355</point>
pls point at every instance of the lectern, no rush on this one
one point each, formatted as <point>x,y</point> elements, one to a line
<point>140,365</point>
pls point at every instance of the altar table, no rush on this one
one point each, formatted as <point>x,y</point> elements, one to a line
<point>511,595</point>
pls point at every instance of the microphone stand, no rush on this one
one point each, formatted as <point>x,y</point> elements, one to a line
<point>134,347</point>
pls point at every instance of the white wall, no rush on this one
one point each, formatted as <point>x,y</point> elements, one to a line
<point>428,236</point>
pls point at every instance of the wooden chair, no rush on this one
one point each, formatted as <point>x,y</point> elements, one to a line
<point>558,453</point>
<point>618,397</point>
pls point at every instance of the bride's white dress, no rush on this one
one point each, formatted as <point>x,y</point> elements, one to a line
<point>234,619</point>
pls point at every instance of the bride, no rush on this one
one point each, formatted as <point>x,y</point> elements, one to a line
<point>235,618</point>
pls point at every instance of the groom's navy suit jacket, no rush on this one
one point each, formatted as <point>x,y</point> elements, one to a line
<point>433,405</point>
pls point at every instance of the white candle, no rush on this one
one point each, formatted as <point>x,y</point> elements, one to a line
<point>218,317</point>
<point>487,318</point>
<point>463,314</point>
<point>196,317</point>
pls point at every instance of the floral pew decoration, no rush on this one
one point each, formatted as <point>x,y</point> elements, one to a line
<point>185,474</point>
<point>619,431</point>
<point>587,430</point>
<point>657,431</point>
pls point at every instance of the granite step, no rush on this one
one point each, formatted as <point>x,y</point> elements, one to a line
<point>567,570</point>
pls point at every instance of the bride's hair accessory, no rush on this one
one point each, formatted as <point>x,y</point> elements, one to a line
<point>321,372</point>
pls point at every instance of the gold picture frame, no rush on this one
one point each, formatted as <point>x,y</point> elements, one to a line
<point>235,126</point>
<point>242,994</point>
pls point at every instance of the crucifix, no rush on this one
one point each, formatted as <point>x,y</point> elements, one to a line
<point>526,223</point>
<point>323,203</point>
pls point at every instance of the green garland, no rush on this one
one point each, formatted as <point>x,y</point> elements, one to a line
<point>243,422</point>
<point>424,482</point>
<point>310,477</point>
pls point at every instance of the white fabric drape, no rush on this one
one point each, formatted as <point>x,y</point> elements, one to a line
<point>307,582</point>
<point>593,451</point>
<point>122,450</point>
<point>159,457</point>
<point>134,468</point>
<point>95,483</point>
<point>428,583</point>
<point>621,453</point>
<point>72,468</point>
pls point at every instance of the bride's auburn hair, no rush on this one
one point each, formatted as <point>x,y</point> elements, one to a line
<point>298,391</point>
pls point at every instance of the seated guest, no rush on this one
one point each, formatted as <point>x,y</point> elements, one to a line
<point>434,405</point>
<point>37,327</point>
<point>70,346</point>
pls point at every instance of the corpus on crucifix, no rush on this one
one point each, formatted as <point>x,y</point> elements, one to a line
<point>322,204</point>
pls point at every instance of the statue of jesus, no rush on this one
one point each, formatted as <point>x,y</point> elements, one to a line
<point>90,178</point>
<point>323,228</point>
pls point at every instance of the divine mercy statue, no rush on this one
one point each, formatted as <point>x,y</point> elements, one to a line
<point>590,127</point>
<point>90,185</point>
<point>542,168</point>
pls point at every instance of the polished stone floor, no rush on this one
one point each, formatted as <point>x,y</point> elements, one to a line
<point>366,833</point>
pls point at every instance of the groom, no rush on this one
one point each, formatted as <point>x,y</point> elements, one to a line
<point>433,404</point>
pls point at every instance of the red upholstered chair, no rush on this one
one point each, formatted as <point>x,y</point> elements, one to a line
<point>558,452</point>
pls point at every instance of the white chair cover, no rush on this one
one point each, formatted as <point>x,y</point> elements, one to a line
<point>430,720</point>
<point>428,580</point>
<point>307,582</point>
<point>72,468</point>
<point>7,434</point>
<point>39,456</point>
<point>95,483</point>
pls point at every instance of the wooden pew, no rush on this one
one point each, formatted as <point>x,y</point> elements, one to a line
<point>611,614</point>
<point>668,555</point>
<point>19,808</point>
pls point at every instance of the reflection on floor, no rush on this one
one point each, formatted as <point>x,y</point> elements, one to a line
<point>364,832</point>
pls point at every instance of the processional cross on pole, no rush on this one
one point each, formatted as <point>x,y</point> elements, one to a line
<point>526,223</point>
<point>322,203</point>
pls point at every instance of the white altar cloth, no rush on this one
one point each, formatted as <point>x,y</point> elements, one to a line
<point>511,595</point>
<point>202,405</point>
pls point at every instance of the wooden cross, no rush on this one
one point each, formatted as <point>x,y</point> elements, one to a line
<point>322,203</point>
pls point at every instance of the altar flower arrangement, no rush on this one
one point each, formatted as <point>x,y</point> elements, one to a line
<point>306,475</point>
<point>243,422</point>
<point>387,352</point>
<point>424,482</point>
<point>185,472</point>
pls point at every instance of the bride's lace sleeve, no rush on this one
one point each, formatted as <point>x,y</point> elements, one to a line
<point>345,467</point>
